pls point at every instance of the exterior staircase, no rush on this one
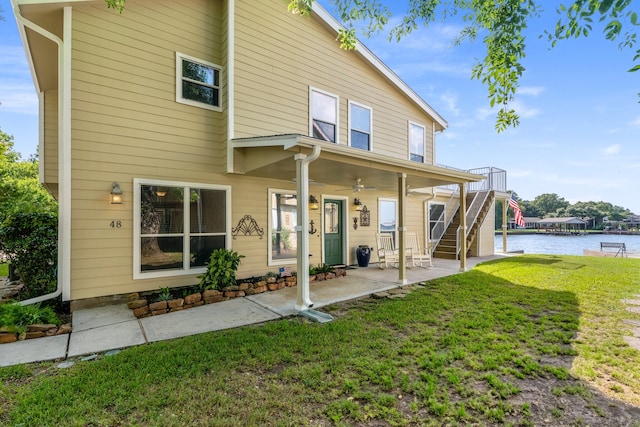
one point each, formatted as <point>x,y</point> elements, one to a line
<point>479,203</point>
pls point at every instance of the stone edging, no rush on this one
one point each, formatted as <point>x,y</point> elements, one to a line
<point>142,307</point>
<point>34,331</point>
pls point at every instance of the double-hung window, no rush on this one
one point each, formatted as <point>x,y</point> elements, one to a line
<point>360,126</point>
<point>324,115</point>
<point>197,82</point>
<point>416,142</point>
<point>177,226</point>
<point>283,244</point>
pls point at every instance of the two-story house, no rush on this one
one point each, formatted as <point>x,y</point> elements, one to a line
<point>176,128</point>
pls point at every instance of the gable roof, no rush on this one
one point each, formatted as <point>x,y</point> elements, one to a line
<point>381,67</point>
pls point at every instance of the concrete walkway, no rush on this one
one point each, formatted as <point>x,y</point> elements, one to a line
<point>99,329</point>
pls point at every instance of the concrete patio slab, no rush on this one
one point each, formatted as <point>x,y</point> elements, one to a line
<point>36,350</point>
<point>103,338</point>
<point>211,317</point>
<point>91,318</point>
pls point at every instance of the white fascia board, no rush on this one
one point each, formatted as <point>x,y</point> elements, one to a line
<point>380,66</point>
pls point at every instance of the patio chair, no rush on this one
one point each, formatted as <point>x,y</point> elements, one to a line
<point>418,258</point>
<point>387,253</point>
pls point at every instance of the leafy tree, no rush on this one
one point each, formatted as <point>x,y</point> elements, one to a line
<point>20,189</point>
<point>596,210</point>
<point>548,204</point>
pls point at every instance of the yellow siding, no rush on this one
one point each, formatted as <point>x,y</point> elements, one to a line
<point>487,233</point>
<point>50,155</point>
<point>279,55</point>
<point>126,124</point>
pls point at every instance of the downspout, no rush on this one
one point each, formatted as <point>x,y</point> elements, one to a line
<point>64,148</point>
<point>302,228</point>
<point>231,55</point>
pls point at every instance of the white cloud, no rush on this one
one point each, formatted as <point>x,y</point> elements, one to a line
<point>18,97</point>
<point>523,110</point>
<point>530,90</point>
<point>17,94</point>
<point>636,122</point>
<point>483,112</point>
<point>451,101</point>
<point>448,135</point>
<point>612,149</point>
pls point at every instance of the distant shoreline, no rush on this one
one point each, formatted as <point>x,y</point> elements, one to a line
<point>537,233</point>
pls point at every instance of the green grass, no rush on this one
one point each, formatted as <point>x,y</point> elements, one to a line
<point>4,269</point>
<point>464,349</point>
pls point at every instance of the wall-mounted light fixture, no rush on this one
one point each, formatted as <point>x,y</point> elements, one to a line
<point>357,203</point>
<point>116,194</point>
<point>313,203</point>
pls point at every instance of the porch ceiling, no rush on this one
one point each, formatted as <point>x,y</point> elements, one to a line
<point>272,157</point>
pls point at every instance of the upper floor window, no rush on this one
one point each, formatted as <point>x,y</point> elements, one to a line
<point>360,126</point>
<point>416,142</point>
<point>324,115</point>
<point>197,82</point>
<point>177,226</point>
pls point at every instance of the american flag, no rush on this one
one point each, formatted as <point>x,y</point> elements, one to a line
<point>517,213</point>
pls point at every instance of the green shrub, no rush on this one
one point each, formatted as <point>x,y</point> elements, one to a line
<point>164,295</point>
<point>30,241</point>
<point>16,317</point>
<point>221,270</point>
<point>324,268</point>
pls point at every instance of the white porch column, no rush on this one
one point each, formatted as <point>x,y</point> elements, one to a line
<point>402,245</point>
<point>505,205</point>
<point>303,302</point>
<point>463,227</point>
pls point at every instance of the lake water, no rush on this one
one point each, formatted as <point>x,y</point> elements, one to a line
<point>564,245</point>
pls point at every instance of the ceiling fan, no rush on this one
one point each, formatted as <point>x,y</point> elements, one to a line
<point>359,186</point>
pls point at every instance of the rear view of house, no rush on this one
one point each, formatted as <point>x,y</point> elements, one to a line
<point>176,128</point>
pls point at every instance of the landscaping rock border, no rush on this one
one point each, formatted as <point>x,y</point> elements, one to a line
<point>143,307</point>
<point>34,331</point>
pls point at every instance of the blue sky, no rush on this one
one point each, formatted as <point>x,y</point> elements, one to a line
<point>579,133</point>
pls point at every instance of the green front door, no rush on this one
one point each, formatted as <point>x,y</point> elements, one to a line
<point>333,232</point>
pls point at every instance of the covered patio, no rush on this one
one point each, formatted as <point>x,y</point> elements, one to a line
<point>305,159</point>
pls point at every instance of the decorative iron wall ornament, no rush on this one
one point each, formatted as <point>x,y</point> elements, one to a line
<point>365,217</point>
<point>247,226</point>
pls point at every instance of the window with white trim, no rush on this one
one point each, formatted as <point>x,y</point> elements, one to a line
<point>178,225</point>
<point>417,146</point>
<point>323,110</point>
<point>360,126</point>
<point>436,220</point>
<point>197,82</point>
<point>283,242</point>
<point>388,216</point>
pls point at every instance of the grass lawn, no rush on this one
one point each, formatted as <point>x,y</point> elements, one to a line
<point>4,269</point>
<point>521,341</point>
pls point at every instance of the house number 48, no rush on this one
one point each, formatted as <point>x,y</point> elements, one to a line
<point>116,223</point>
